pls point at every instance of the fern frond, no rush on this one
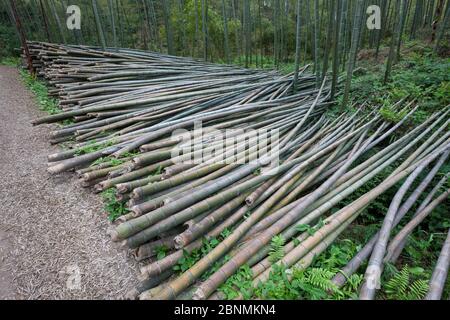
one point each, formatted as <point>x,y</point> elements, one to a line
<point>398,285</point>
<point>321,278</point>
<point>276,252</point>
<point>417,290</point>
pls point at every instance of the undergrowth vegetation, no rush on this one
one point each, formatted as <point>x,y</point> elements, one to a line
<point>114,208</point>
<point>40,90</point>
<point>420,76</point>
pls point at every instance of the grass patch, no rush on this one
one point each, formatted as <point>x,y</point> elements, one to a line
<point>420,75</point>
<point>92,147</point>
<point>40,92</point>
<point>10,61</point>
<point>114,208</point>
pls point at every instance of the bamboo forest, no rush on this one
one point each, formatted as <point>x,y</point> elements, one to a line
<point>225,150</point>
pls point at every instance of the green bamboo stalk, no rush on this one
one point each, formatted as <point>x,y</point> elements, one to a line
<point>440,272</point>
<point>341,278</point>
<point>297,45</point>
<point>411,225</point>
<point>99,24</point>
<point>58,21</point>
<point>368,289</point>
<point>353,51</point>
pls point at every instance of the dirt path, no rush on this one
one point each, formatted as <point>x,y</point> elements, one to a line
<point>53,242</point>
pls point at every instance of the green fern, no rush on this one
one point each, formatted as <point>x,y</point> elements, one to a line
<point>276,252</point>
<point>417,290</point>
<point>320,278</point>
<point>401,287</point>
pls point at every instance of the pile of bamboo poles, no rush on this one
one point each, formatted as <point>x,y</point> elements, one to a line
<point>132,110</point>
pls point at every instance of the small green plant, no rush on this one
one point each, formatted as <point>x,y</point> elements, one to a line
<point>110,160</point>
<point>276,252</point>
<point>310,230</point>
<point>337,255</point>
<point>91,147</point>
<point>313,283</point>
<point>158,171</point>
<point>390,115</point>
<point>161,252</point>
<point>10,61</point>
<point>130,154</point>
<point>114,208</point>
<point>402,286</point>
<point>191,258</point>
<point>239,283</point>
<point>40,91</point>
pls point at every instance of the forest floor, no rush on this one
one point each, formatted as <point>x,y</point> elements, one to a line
<point>53,242</point>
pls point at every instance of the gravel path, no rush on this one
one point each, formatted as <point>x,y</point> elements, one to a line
<point>53,242</point>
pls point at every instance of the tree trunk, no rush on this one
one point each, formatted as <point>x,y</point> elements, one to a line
<point>316,41</point>
<point>353,51</point>
<point>205,29</point>
<point>23,39</point>
<point>396,37</point>
<point>443,29</point>
<point>99,24</point>
<point>332,6</point>
<point>337,27</point>
<point>168,27</point>
<point>225,32</point>
<point>45,21</point>
<point>297,46</point>
<point>58,21</point>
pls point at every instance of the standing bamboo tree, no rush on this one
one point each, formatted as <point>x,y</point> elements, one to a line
<point>343,31</point>
<point>58,21</point>
<point>276,28</point>
<point>260,35</point>
<point>236,36</point>
<point>183,22</point>
<point>331,8</point>
<point>45,21</point>
<point>429,15</point>
<point>113,22</point>
<point>168,27</point>
<point>337,31</point>
<point>297,46</point>
<point>247,32</point>
<point>353,50</point>
<point>402,26</point>
<point>196,40</point>
<point>205,29</point>
<point>443,28</point>
<point>99,24</point>
<point>119,24</point>
<point>147,23</point>
<point>21,33</point>
<point>307,32</point>
<point>437,18</point>
<point>316,41</point>
<point>225,32</point>
<point>396,38</point>
<point>384,7</point>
